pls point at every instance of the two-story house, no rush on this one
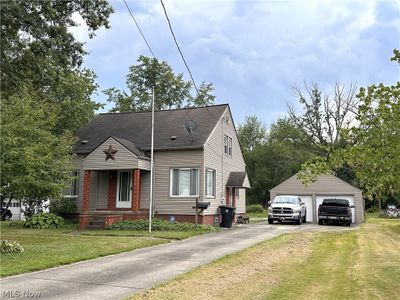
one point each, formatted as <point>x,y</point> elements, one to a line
<point>196,155</point>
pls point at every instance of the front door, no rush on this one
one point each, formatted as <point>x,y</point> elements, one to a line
<point>124,189</point>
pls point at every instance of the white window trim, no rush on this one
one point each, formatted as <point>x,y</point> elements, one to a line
<point>229,140</point>
<point>205,183</point>
<point>237,193</point>
<point>130,192</point>
<point>170,182</point>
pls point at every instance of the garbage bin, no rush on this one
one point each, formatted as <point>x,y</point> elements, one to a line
<point>227,213</point>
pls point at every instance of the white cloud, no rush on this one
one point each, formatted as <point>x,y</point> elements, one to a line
<point>255,51</point>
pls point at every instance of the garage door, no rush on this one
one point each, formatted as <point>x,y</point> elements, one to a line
<point>308,201</point>
<point>350,198</point>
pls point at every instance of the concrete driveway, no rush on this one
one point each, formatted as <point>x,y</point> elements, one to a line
<point>121,275</point>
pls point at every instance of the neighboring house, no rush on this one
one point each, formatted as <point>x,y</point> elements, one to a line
<point>326,186</point>
<point>196,155</point>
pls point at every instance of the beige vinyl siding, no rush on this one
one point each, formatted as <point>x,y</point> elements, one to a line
<point>241,205</point>
<point>144,189</point>
<point>124,159</point>
<point>163,162</point>
<point>325,185</point>
<point>215,158</point>
<point>98,195</point>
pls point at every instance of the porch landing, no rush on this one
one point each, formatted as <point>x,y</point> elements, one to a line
<point>104,219</point>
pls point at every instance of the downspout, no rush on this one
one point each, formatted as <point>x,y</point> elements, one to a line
<point>222,163</point>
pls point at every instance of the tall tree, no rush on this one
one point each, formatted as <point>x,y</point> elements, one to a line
<point>324,116</point>
<point>34,160</point>
<point>38,49</point>
<point>251,133</point>
<point>374,145</point>
<point>171,90</point>
<point>271,158</point>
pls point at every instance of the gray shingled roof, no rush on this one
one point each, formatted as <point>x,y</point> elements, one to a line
<point>131,147</point>
<point>136,128</point>
<point>236,179</point>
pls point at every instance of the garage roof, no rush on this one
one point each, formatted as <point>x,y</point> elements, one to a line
<point>323,184</point>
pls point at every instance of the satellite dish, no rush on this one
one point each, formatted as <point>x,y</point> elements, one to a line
<point>191,126</point>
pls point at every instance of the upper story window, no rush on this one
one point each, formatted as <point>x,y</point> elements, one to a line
<point>227,145</point>
<point>210,182</point>
<point>184,182</point>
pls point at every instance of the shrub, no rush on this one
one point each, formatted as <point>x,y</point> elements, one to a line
<point>255,208</point>
<point>10,247</point>
<point>44,221</point>
<point>372,209</point>
<point>63,205</point>
<point>161,225</point>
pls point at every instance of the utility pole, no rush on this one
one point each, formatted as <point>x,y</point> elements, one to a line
<point>151,162</point>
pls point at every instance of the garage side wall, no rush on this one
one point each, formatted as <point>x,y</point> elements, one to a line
<point>325,185</point>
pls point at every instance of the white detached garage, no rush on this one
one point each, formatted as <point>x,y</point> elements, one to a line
<point>326,186</point>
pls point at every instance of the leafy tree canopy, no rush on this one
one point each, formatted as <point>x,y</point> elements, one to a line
<point>39,50</point>
<point>251,133</point>
<point>34,160</point>
<point>171,90</point>
<point>36,44</point>
<point>374,145</point>
<point>271,158</point>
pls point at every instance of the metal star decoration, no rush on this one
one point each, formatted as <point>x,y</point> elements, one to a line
<point>110,152</point>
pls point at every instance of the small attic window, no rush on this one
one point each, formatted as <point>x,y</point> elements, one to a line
<point>84,142</point>
<point>227,119</point>
<point>173,137</point>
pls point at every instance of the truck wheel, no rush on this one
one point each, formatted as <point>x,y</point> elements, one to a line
<point>320,222</point>
<point>348,224</point>
<point>298,222</point>
<point>7,218</point>
<point>270,221</point>
<point>305,218</point>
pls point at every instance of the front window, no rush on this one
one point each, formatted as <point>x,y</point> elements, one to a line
<point>184,182</point>
<point>210,183</point>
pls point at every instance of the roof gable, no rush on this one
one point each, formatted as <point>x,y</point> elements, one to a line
<point>324,183</point>
<point>136,128</point>
<point>121,158</point>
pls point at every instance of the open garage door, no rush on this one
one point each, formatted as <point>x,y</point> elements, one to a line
<point>308,201</point>
<point>350,198</point>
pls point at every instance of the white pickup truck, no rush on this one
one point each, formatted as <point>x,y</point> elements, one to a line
<point>287,208</point>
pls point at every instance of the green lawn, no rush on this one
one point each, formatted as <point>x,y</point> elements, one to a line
<point>45,248</point>
<point>359,264</point>
<point>258,215</point>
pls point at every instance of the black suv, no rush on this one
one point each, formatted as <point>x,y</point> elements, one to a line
<point>7,215</point>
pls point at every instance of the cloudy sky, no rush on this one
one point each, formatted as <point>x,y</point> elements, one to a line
<point>254,52</point>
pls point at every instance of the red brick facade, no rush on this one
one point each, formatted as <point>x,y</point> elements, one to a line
<point>191,218</point>
<point>84,221</point>
<point>109,220</point>
<point>136,190</point>
<point>86,190</point>
<point>112,189</point>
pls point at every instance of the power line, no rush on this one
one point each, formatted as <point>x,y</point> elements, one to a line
<point>179,49</point>
<point>138,27</point>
